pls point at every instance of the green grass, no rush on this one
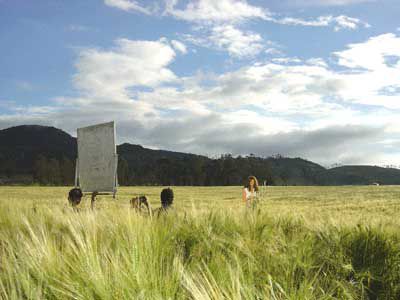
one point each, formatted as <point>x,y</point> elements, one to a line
<point>300,243</point>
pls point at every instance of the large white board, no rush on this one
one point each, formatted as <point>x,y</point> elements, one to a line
<point>97,158</point>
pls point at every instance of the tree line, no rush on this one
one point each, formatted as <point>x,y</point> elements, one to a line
<point>51,171</point>
<point>193,170</point>
<point>46,156</point>
<point>197,171</point>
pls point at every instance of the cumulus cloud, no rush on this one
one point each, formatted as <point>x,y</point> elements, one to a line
<point>371,54</point>
<point>236,11</point>
<point>219,24</point>
<point>108,73</point>
<point>210,11</point>
<point>295,107</point>
<point>238,43</point>
<point>374,75</point>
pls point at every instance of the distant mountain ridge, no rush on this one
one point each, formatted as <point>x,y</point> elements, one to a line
<point>46,155</point>
<point>21,145</point>
<point>358,175</point>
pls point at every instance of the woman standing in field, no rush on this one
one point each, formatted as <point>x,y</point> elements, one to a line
<point>250,190</point>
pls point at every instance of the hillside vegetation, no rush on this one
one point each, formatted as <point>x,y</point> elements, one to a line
<point>46,156</point>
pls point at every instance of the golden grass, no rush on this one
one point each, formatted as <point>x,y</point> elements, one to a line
<point>300,243</point>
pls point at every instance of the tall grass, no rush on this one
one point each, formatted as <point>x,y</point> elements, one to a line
<point>51,252</point>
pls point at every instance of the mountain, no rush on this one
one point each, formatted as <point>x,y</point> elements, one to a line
<point>21,146</point>
<point>356,175</point>
<point>138,165</point>
<point>46,155</point>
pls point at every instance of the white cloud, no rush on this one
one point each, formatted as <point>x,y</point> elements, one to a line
<point>370,54</point>
<point>317,61</point>
<point>295,107</point>
<point>273,51</point>
<point>129,5</point>
<point>218,20</point>
<point>319,22</point>
<point>276,87</point>
<point>109,73</point>
<point>286,86</point>
<point>376,81</point>
<point>206,11</point>
<point>179,46</point>
<point>219,23</point>
<point>345,22</point>
<point>210,12</point>
<point>237,43</point>
<point>339,22</point>
<point>232,11</point>
<point>286,60</point>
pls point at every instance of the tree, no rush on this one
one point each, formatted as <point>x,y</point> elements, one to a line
<point>123,171</point>
<point>67,169</point>
<point>54,172</point>
<point>40,170</point>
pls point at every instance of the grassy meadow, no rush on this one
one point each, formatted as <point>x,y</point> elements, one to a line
<point>299,243</point>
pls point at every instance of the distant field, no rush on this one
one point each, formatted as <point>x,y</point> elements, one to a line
<point>300,243</point>
<point>314,205</point>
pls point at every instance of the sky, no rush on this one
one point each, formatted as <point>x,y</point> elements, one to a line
<point>317,79</point>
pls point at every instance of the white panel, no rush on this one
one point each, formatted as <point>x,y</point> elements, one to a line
<point>97,158</point>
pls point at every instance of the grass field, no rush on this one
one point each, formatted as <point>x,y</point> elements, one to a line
<point>300,243</point>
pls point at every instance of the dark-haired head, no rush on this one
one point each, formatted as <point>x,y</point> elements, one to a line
<point>75,196</point>
<point>167,197</point>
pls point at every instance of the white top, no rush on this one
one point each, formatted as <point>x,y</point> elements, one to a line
<point>250,194</point>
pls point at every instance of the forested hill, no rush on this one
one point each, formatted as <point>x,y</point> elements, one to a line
<point>46,155</point>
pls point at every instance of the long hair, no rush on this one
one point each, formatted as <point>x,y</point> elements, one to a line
<point>247,185</point>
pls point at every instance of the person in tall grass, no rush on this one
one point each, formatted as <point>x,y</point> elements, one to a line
<point>141,205</point>
<point>250,189</point>
<point>167,199</point>
<point>75,197</point>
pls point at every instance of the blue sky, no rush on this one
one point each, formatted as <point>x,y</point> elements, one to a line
<point>309,78</point>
